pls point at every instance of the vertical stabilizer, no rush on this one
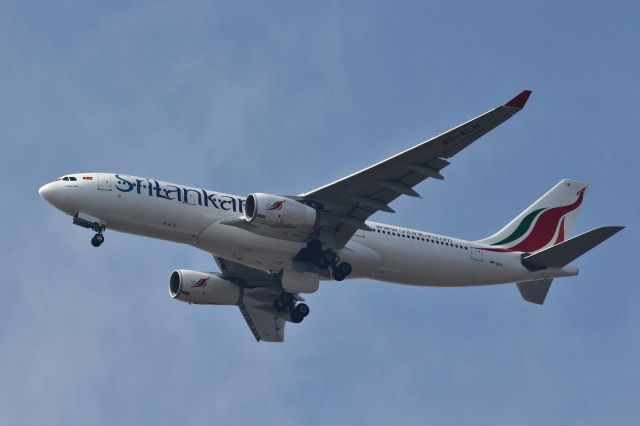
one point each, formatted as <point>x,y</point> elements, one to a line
<point>546,222</point>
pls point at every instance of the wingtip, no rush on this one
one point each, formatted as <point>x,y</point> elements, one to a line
<point>520,100</point>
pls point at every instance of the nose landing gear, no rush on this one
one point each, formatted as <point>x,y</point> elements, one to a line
<point>92,223</point>
<point>97,239</point>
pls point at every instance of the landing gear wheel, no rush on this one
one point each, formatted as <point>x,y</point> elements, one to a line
<point>97,240</point>
<point>295,317</point>
<point>299,312</point>
<point>287,300</point>
<point>302,309</point>
<point>327,258</point>
<point>345,268</point>
<point>341,271</point>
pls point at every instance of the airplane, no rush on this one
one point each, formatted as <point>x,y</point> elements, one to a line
<point>270,248</point>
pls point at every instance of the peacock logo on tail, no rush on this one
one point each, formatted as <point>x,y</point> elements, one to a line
<point>541,225</point>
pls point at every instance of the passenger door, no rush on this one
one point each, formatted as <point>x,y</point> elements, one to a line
<point>104,182</point>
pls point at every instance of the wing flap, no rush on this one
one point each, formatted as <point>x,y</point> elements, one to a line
<point>260,288</point>
<point>263,321</point>
<point>263,325</point>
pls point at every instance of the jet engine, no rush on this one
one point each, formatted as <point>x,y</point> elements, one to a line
<point>279,212</point>
<point>203,288</point>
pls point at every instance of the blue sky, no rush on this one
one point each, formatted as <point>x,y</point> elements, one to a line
<point>283,98</point>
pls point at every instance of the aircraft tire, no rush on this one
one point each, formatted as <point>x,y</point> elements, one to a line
<point>329,257</point>
<point>287,299</point>
<point>97,240</point>
<point>337,275</point>
<point>295,316</point>
<point>345,268</point>
<point>302,309</point>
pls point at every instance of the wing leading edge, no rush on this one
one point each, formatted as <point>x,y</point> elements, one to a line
<point>348,202</point>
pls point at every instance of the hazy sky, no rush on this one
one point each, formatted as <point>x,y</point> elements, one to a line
<point>245,97</point>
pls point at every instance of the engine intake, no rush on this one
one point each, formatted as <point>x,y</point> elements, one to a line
<point>203,288</point>
<point>279,212</point>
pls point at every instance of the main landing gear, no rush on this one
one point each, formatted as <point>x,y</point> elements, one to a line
<point>341,271</point>
<point>324,259</point>
<point>287,302</point>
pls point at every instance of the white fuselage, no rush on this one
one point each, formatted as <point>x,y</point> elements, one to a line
<point>192,216</point>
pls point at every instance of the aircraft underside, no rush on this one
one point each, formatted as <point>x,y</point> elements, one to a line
<point>271,249</point>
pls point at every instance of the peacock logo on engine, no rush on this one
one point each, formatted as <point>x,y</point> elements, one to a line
<point>276,206</point>
<point>201,283</point>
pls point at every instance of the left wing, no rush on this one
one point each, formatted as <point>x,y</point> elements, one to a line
<point>348,202</point>
<point>259,290</point>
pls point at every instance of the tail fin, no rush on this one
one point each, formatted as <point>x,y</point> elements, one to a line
<point>545,223</point>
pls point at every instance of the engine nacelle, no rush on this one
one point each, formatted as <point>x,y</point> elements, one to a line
<point>203,288</point>
<point>279,212</point>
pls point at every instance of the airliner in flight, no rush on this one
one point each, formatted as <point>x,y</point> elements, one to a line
<point>272,248</point>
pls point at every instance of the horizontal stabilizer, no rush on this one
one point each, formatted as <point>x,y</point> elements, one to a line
<point>535,291</point>
<point>566,252</point>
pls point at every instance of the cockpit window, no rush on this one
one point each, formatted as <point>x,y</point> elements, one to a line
<point>65,178</point>
<point>71,178</point>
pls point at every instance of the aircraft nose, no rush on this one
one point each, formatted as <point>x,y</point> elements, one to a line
<point>45,191</point>
<point>58,196</point>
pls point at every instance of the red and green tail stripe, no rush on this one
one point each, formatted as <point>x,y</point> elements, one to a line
<point>544,229</point>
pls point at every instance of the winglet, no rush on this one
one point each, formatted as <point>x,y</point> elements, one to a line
<point>520,100</point>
